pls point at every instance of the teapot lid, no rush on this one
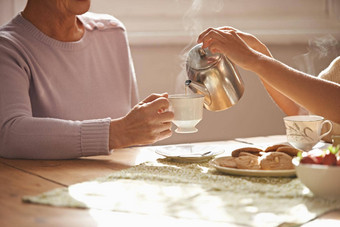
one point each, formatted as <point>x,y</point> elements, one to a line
<point>199,58</point>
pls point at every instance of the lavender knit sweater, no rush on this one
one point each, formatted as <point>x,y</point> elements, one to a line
<point>57,98</point>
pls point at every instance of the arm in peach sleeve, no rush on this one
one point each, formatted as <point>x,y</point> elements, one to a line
<point>315,95</point>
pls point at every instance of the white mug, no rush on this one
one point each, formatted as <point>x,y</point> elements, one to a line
<point>303,131</point>
<point>188,111</point>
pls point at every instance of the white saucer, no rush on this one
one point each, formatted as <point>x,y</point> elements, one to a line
<point>190,153</point>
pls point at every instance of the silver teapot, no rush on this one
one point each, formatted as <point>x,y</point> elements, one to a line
<point>215,77</point>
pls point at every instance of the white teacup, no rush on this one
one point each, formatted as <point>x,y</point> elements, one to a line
<point>188,110</point>
<point>303,131</point>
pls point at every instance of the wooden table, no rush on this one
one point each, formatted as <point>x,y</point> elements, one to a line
<point>31,177</point>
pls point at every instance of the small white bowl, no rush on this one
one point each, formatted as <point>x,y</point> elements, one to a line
<point>322,180</point>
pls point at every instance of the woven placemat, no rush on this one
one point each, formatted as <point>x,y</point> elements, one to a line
<point>194,190</point>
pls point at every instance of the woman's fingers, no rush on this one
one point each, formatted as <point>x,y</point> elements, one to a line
<point>209,30</point>
<point>231,44</point>
<point>203,34</point>
<point>161,120</point>
<point>219,33</point>
<point>154,96</point>
<point>227,28</point>
<point>163,127</point>
<point>144,124</point>
<point>250,40</point>
<point>164,134</point>
<point>158,105</point>
<point>208,38</point>
<point>166,116</point>
<point>215,35</point>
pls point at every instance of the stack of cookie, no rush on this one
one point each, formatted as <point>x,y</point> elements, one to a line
<point>276,157</point>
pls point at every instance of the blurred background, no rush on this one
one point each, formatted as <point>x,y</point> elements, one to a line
<point>303,34</point>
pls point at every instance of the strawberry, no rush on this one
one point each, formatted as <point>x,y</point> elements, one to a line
<point>329,159</point>
<point>318,159</point>
<point>309,160</point>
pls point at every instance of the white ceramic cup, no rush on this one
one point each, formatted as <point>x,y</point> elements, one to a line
<point>188,110</point>
<point>304,131</point>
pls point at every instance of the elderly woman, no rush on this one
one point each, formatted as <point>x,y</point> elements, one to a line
<point>295,92</point>
<point>68,87</point>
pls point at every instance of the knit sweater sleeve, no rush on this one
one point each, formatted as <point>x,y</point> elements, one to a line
<point>332,72</point>
<point>25,136</point>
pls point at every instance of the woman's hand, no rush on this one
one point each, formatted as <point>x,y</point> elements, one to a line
<point>245,50</point>
<point>241,48</point>
<point>148,122</point>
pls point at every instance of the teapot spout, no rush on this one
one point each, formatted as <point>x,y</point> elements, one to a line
<point>200,89</point>
<point>195,86</point>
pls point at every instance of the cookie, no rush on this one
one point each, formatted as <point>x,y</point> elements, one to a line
<point>227,162</point>
<point>289,150</point>
<point>276,161</point>
<point>247,162</point>
<point>251,150</point>
<point>247,154</point>
<point>274,147</point>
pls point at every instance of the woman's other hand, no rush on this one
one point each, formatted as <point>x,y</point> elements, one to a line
<point>242,48</point>
<point>148,122</point>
